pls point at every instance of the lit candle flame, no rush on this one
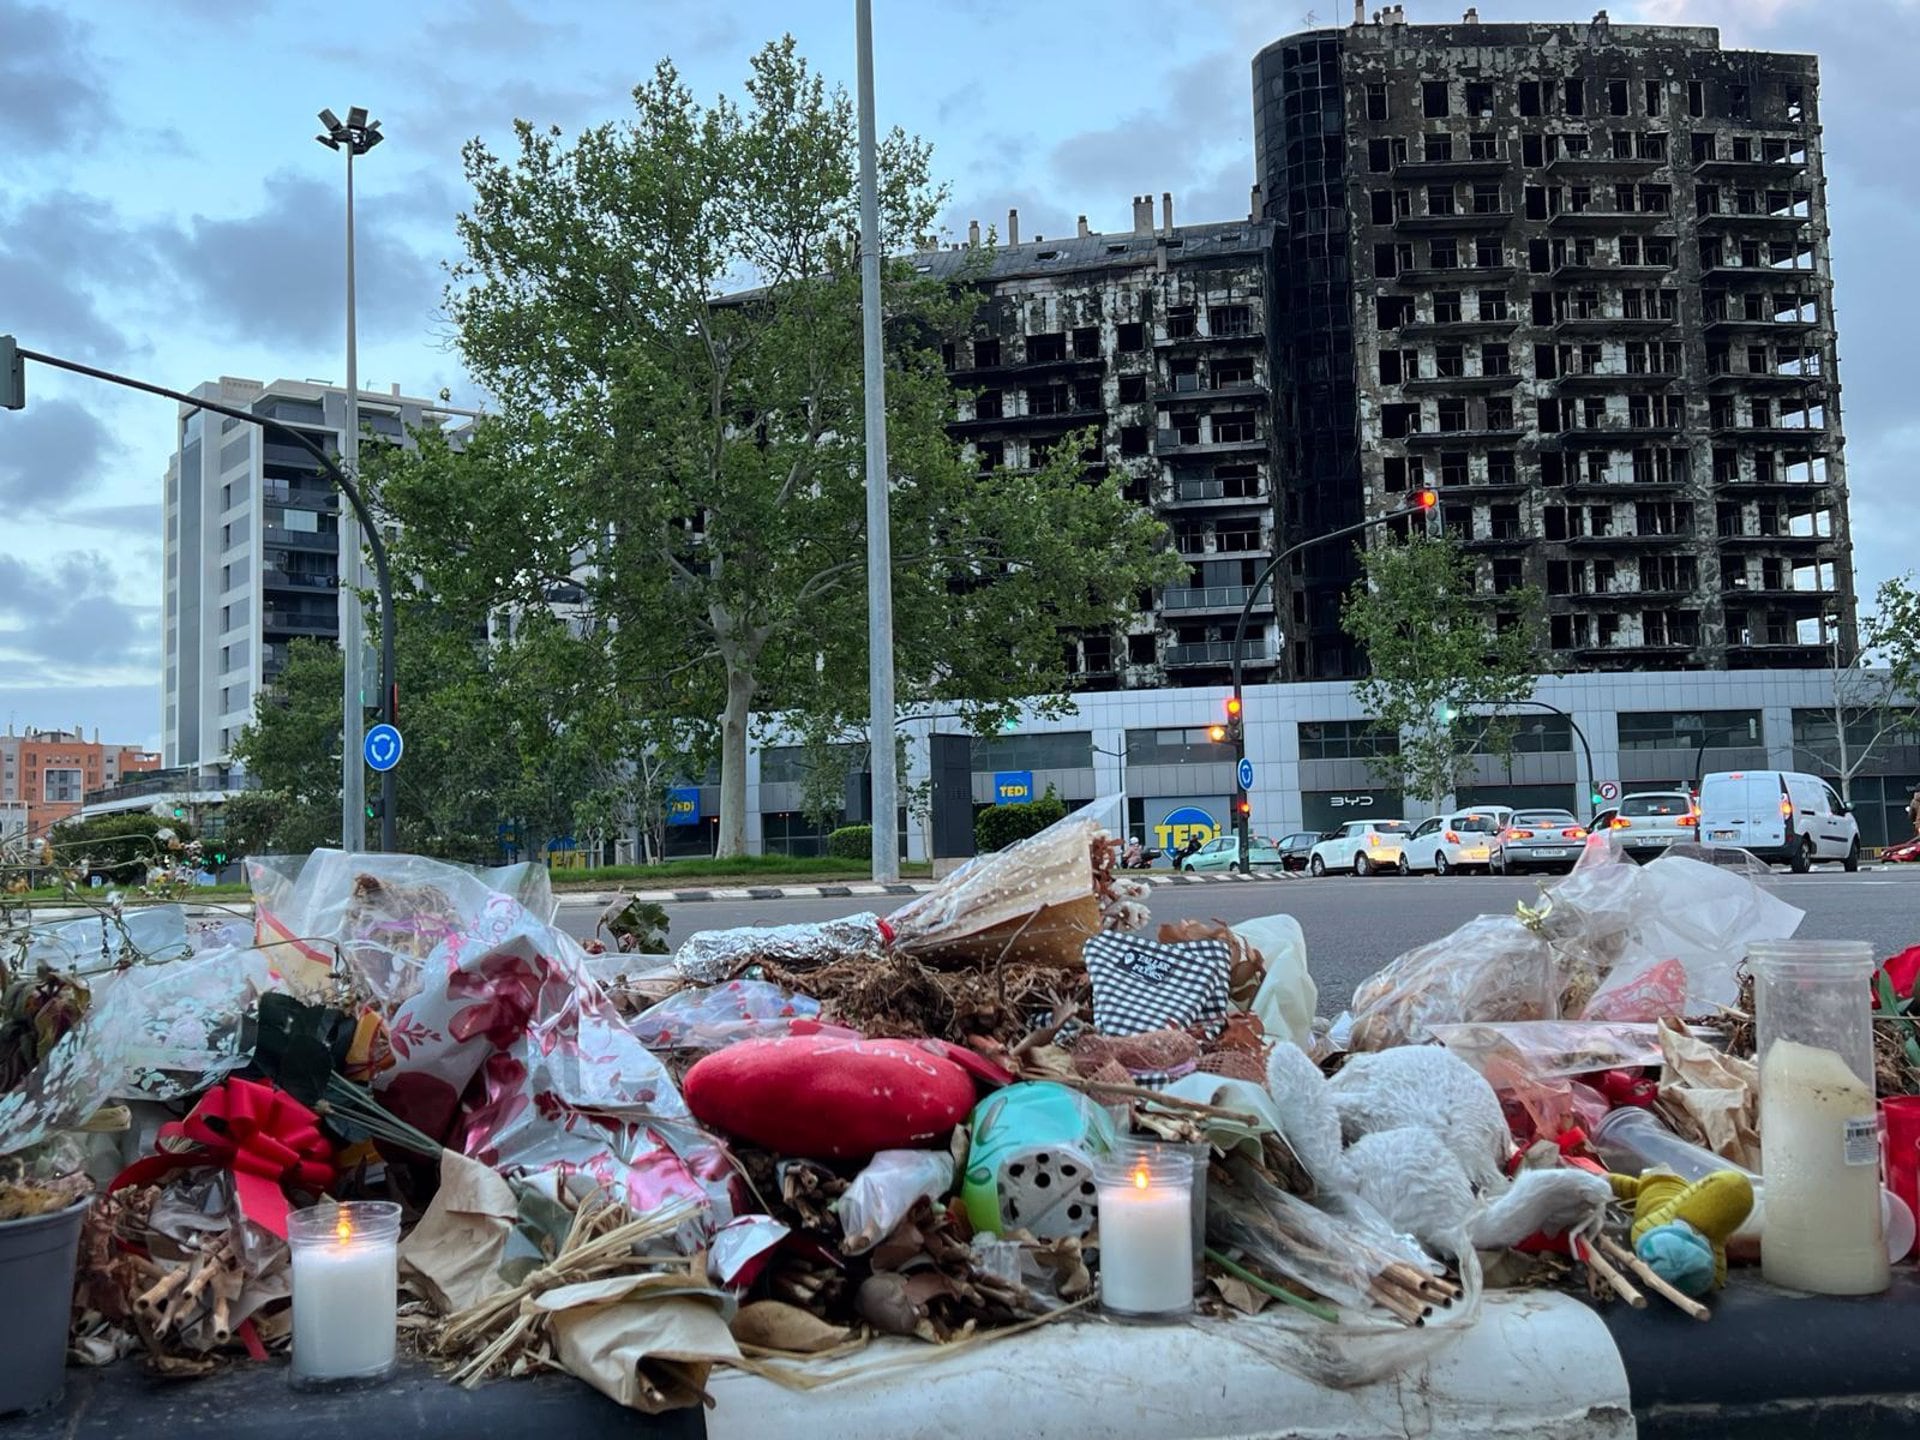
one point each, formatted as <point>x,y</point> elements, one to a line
<point>343,1231</point>
<point>1140,1177</point>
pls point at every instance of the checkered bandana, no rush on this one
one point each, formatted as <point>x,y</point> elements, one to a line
<point>1141,984</point>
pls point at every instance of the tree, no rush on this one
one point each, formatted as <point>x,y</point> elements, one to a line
<point>1874,688</point>
<point>290,750</point>
<point>1433,655</point>
<point>667,314</point>
<point>121,847</point>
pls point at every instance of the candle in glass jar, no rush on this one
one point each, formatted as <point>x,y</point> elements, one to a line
<point>345,1279</point>
<point>1146,1234</point>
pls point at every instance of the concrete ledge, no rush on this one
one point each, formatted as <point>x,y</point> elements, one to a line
<point>1537,1366</point>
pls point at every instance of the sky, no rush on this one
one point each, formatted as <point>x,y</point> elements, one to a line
<point>164,211</point>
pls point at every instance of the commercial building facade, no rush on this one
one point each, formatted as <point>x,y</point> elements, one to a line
<point>252,549</point>
<point>1577,278</point>
<point>45,776</point>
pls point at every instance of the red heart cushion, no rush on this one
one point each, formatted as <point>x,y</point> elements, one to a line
<point>827,1097</point>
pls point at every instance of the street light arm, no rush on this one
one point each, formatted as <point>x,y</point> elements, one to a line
<point>1593,776</point>
<point>389,699</point>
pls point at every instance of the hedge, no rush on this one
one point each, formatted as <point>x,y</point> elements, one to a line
<point>999,827</point>
<point>851,842</point>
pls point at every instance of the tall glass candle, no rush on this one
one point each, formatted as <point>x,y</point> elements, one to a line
<point>345,1291</point>
<point>1146,1232</point>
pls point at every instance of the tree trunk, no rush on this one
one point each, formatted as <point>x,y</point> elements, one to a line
<point>733,762</point>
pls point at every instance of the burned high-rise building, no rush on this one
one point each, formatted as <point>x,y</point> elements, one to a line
<point>1575,277</point>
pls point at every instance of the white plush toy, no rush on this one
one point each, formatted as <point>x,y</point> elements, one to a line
<point>1427,1148</point>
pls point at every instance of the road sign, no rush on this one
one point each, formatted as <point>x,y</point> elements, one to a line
<point>1609,790</point>
<point>1245,773</point>
<point>383,748</point>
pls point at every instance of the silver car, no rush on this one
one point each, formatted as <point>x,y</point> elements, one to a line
<point>1537,840</point>
<point>1650,821</point>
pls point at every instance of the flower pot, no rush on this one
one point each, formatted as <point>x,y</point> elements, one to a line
<point>36,1275</point>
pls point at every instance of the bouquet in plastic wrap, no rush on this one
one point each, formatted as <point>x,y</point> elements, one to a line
<point>1492,968</point>
<point>1035,902</point>
<point>495,1032</point>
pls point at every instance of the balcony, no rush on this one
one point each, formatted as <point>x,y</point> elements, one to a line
<point>1072,419</point>
<point>1204,491</point>
<point>1605,437</point>
<point>1750,169</point>
<point>1430,329</point>
<point>1452,169</point>
<point>273,579</point>
<point>1730,274</point>
<point>1782,542</point>
<point>1217,652</point>
<point>1211,597</point>
<point>1649,538</point>
<point>1612,274</point>
<point>1612,324</point>
<point>1433,439</point>
<point>1616,379</point>
<point>1168,442</point>
<point>1244,390</point>
<point>318,540</point>
<point>296,622</point>
<point>1591,219</point>
<point>1775,380</point>
<point>1591,164</point>
<point>1769,220</point>
<point>1459,220</point>
<point>1448,384</point>
<point>1759,325</point>
<point>1475,275</point>
<point>1243,335</point>
<point>1797,437</point>
<point>1026,370</point>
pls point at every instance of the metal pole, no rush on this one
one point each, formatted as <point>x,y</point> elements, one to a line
<point>1593,776</point>
<point>383,582</point>
<point>353,625</point>
<point>886,838</point>
<point>1241,819</point>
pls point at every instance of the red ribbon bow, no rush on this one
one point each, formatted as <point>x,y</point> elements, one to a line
<point>265,1136</point>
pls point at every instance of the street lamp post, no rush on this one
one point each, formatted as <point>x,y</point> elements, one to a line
<point>1593,776</point>
<point>356,135</point>
<point>1420,502</point>
<point>11,394</point>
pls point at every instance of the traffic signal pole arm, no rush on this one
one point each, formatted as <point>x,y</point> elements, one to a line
<point>1419,503</point>
<point>389,695</point>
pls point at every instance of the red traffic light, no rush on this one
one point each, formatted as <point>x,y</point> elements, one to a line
<point>1423,499</point>
<point>1243,805</point>
<point>1233,707</point>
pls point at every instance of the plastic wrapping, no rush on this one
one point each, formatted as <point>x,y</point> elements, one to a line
<point>882,1194</point>
<point>90,946</point>
<point>188,1019</point>
<point>1553,1048</point>
<point>82,1072</point>
<point>495,1031</point>
<point>1287,997</point>
<point>714,955</point>
<point>710,1017</point>
<point>1036,901</point>
<point>1491,968</point>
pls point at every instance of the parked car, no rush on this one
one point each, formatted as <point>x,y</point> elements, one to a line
<point>1602,822</point>
<point>1361,846</point>
<point>1905,853</point>
<point>1447,844</point>
<point>1650,821</point>
<point>1779,815</point>
<point>1295,848</point>
<point>1537,840</point>
<point>1222,854</point>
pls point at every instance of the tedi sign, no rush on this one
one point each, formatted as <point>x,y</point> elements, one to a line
<point>1183,826</point>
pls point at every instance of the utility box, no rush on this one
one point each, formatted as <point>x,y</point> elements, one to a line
<point>951,760</point>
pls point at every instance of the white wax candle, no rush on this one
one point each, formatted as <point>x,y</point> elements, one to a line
<point>1820,1154</point>
<point>344,1308</point>
<point>1146,1244</point>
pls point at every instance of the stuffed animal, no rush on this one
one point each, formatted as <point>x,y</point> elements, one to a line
<point>1428,1145</point>
<point>1680,1229</point>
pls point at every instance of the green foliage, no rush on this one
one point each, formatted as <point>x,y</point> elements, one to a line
<point>706,454</point>
<point>121,847</point>
<point>1433,657</point>
<point>1000,826</point>
<point>1890,636</point>
<point>851,842</point>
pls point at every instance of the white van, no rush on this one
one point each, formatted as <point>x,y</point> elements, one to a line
<point>1779,815</point>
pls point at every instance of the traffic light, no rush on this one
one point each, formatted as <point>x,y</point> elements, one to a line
<point>1242,805</point>
<point>373,808</point>
<point>1234,728</point>
<point>13,375</point>
<point>179,812</point>
<point>1423,500</point>
<point>219,856</point>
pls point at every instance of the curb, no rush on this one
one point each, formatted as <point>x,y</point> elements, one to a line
<point>855,890</point>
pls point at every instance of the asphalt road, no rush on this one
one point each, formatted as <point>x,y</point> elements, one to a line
<point>1353,927</point>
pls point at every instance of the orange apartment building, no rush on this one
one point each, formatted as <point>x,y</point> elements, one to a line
<point>45,775</point>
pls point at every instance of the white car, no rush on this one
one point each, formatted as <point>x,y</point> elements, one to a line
<point>1779,815</point>
<point>1363,847</point>
<point>1448,844</point>
<point>1649,821</point>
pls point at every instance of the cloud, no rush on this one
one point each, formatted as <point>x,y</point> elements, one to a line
<point>494,27</point>
<point>51,96</point>
<point>57,252</point>
<point>123,714</point>
<point>62,623</point>
<point>277,276</point>
<point>53,454</point>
